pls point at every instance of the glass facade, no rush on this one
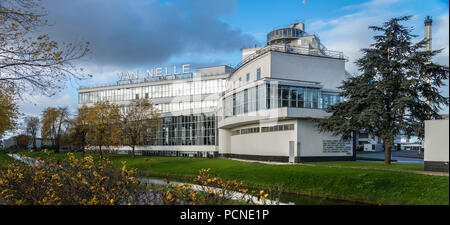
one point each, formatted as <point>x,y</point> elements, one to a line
<point>284,33</point>
<point>179,105</point>
<point>201,129</point>
<point>197,129</point>
<point>329,99</point>
<point>269,96</point>
<point>154,91</point>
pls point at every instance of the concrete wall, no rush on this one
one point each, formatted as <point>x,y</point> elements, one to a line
<point>311,141</point>
<point>224,141</point>
<point>264,144</point>
<point>329,72</point>
<point>436,140</point>
<point>436,146</point>
<point>262,62</point>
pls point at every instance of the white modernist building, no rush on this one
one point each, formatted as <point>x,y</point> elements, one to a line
<point>263,109</point>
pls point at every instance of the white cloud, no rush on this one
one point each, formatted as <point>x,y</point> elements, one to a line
<point>371,4</point>
<point>349,33</point>
<point>440,38</point>
<point>34,105</point>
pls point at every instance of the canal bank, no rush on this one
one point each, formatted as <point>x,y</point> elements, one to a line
<point>358,185</point>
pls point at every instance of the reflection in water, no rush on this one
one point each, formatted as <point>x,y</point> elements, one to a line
<point>284,198</point>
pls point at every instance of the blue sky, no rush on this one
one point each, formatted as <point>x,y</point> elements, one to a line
<point>130,35</point>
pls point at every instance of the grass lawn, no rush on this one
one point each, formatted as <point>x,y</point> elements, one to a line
<point>370,186</point>
<point>5,160</point>
<point>374,165</point>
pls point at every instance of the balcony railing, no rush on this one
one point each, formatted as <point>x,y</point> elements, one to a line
<point>291,49</point>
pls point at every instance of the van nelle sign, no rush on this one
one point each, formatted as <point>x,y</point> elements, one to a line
<point>156,72</point>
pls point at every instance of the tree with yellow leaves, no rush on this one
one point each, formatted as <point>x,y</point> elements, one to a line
<point>104,127</point>
<point>32,128</point>
<point>31,61</point>
<point>140,122</point>
<point>53,125</point>
<point>8,109</point>
<point>78,128</point>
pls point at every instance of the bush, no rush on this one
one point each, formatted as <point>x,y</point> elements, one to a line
<point>213,191</point>
<point>75,182</point>
<point>85,181</point>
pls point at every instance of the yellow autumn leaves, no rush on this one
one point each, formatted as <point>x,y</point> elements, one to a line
<point>79,181</point>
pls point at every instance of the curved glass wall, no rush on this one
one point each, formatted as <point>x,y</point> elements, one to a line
<point>270,96</point>
<point>284,33</point>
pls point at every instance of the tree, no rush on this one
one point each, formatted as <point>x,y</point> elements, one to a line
<point>79,128</point>
<point>140,122</point>
<point>32,128</point>
<point>396,91</point>
<point>54,122</point>
<point>32,61</point>
<point>22,141</point>
<point>104,128</point>
<point>8,109</point>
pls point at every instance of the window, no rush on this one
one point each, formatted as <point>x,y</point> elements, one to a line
<point>300,98</point>
<point>146,95</point>
<point>293,97</point>
<point>284,96</point>
<point>245,131</point>
<point>278,128</point>
<point>245,100</point>
<point>258,74</point>
<point>248,77</point>
<point>137,96</point>
<point>240,81</point>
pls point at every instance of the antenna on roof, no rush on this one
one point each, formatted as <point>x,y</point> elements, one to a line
<point>303,13</point>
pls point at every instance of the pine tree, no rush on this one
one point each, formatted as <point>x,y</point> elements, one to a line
<point>395,92</point>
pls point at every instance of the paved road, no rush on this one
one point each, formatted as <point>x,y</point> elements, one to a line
<point>380,155</point>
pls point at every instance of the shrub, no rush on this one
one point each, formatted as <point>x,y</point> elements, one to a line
<point>211,191</point>
<point>78,181</point>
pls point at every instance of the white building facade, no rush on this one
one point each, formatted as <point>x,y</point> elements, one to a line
<point>262,109</point>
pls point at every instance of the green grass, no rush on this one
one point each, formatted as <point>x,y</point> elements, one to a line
<point>361,185</point>
<point>374,165</point>
<point>5,160</point>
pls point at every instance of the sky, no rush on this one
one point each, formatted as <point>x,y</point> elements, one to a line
<point>140,34</point>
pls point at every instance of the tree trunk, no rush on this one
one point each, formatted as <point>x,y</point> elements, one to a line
<point>57,145</point>
<point>132,151</point>
<point>354,145</point>
<point>387,152</point>
<point>34,144</point>
<point>101,154</point>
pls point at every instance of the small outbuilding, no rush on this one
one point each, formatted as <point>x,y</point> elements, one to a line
<point>436,145</point>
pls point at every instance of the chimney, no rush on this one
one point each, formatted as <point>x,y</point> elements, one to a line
<point>427,35</point>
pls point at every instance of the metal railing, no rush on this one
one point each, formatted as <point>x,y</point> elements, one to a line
<point>291,49</point>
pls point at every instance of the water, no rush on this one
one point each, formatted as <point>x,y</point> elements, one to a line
<point>284,198</point>
<point>298,199</point>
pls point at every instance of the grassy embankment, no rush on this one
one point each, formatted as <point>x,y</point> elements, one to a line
<point>369,185</point>
<point>5,160</point>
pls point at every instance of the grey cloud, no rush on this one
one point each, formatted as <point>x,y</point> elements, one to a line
<point>139,32</point>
